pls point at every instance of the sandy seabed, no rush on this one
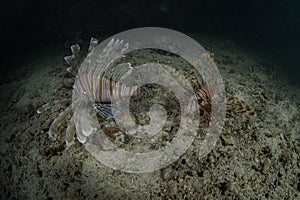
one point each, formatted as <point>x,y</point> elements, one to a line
<point>256,157</point>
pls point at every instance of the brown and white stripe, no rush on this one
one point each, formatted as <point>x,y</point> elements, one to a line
<point>92,82</point>
<point>204,97</point>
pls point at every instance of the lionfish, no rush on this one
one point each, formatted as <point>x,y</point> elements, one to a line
<point>204,95</point>
<point>97,83</point>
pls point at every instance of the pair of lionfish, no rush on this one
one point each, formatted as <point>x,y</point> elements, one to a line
<point>98,84</point>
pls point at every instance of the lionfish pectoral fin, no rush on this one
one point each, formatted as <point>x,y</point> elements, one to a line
<point>51,104</point>
<point>108,110</point>
<point>57,122</point>
<point>104,109</point>
<point>70,132</point>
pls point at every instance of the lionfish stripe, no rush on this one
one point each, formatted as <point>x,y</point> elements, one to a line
<point>103,91</point>
<point>110,87</point>
<point>118,91</point>
<point>106,90</point>
<point>85,84</point>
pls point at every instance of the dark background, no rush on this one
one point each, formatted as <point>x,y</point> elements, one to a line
<point>270,26</point>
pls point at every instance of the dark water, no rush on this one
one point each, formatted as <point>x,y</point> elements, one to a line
<point>268,27</point>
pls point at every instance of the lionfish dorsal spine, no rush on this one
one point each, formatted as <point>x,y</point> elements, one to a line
<point>73,60</point>
<point>69,59</point>
<point>75,49</point>
<point>93,44</point>
<point>111,52</point>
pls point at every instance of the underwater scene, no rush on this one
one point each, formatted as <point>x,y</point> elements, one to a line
<point>161,99</point>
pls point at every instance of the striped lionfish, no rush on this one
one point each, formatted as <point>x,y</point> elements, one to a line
<point>204,94</point>
<point>97,84</point>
